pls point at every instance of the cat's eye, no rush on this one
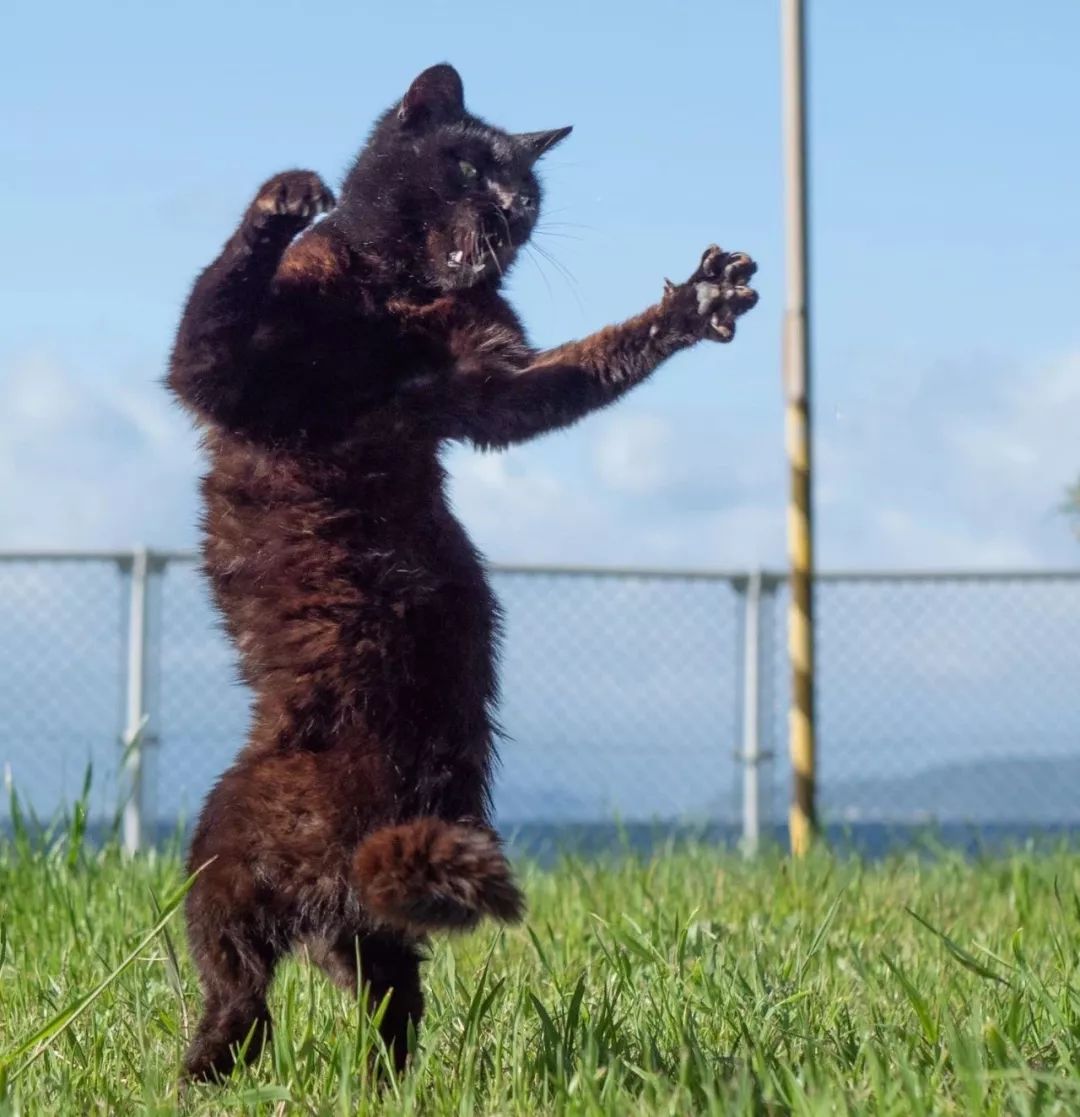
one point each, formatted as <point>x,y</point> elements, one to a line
<point>468,171</point>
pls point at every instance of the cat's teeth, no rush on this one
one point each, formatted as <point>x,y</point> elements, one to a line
<point>455,259</point>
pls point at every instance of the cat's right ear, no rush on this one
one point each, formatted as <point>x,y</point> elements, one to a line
<point>535,144</point>
<point>435,97</point>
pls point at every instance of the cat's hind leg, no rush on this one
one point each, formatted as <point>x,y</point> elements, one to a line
<point>235,956</point>
<point>388,964</point>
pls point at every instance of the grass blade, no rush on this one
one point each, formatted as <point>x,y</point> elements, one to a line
<point>35,1045</point>
<point>968,961</point>
<point>918,1002</point>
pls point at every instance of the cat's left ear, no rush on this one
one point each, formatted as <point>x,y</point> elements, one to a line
<point>435,97</point>
<point>537,143</point>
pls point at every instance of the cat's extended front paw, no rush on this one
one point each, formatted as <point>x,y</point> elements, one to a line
<point>718,292</point>
<point>291,200</point>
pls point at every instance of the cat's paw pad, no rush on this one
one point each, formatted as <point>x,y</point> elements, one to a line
<point>299,195</point>
<point>734,269</point>
<point>717,293</point>
<point>721,304</point>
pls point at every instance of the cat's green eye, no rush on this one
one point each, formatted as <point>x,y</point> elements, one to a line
<point>468,171</point>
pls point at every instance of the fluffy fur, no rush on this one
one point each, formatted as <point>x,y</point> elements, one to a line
<point>431,875</point>
<point>326,365</point>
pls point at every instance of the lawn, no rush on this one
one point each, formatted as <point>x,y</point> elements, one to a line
<point>691,982</point>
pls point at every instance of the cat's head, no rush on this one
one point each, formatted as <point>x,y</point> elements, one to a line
<point>452,197</point>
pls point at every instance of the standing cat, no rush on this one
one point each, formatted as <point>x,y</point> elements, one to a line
<point>326,370</point>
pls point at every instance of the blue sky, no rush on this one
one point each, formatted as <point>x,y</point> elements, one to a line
<point>946,226</point>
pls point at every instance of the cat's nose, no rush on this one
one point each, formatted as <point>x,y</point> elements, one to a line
<point>520,208</point>
<point>514,203</point>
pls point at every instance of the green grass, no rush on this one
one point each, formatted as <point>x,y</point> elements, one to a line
<point>688,983</point>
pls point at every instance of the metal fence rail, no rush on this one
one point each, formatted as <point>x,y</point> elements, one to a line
<point>640,695</point>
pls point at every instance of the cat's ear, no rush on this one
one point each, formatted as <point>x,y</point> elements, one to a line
<point>435,97</point>
<point>536,143</point>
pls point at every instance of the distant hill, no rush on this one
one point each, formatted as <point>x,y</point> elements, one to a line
<point>1014,789</point>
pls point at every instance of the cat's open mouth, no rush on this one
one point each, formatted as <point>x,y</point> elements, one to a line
<point>490,252</point>
<point>456,262</point>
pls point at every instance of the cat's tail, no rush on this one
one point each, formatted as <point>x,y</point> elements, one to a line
<point>430,875</point>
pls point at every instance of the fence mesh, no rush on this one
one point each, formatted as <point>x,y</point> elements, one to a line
<point>62,648</point>
<point>619,698</point>
<point>951,698</point>
<point>948,698</point>
<point>204,708</point>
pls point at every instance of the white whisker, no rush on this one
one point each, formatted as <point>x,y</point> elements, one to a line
<point>536,264</point>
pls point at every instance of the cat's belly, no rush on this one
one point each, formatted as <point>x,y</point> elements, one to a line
<point>343,633</point>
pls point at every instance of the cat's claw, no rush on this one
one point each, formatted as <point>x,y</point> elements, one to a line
<point>723,291</point>
<point>299,195</point>
<point>716,294</point>
<point>735,268</point>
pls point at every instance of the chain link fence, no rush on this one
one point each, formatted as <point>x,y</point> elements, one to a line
<point>62,677</point>
<point>641,697</point>
<point>944,697</point>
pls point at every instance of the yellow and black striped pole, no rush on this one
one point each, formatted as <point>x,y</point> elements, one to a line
<point>802,819</point>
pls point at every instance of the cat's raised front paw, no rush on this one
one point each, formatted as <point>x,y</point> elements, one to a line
<point>297,196</point>
<point>717,293</point>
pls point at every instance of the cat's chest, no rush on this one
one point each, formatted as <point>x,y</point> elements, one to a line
<point>346,343</point>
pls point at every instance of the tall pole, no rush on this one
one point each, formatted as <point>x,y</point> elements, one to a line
<point>135,730</point>
<point>796,357</point>
<point>752,757</point>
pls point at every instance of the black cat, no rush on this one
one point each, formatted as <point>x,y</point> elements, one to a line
<point>326,371</point>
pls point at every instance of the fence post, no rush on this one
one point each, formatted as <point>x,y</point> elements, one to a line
<point>138,728</point>
<point>752,754</point>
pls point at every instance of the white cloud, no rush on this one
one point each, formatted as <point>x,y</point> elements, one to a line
<point>520,509</point>
<point>635,454</point>
<point>910,539</point>
<point>964,465</point>
<point>91,465</point>
<point>1030,437</point>
<point>628,488</point>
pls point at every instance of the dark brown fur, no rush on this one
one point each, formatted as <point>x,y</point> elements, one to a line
<point>326,372</point>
